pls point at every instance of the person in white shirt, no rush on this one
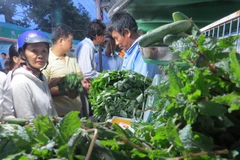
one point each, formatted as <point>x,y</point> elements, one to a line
<point>110,60</point>
<point>31,95</point>
<point>2,79</point>
<point>12,63</point>
<point>62,63</point>
<point>85,50</point>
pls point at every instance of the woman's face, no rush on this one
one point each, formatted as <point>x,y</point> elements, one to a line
<point>37,54</point>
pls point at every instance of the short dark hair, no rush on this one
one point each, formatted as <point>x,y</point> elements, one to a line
<point>4,54</point>
<point>120,21</point>
<point>95,28</point>
<point>61,31</point>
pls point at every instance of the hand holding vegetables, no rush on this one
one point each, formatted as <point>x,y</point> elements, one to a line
<point>54,82</point>
<point>71,85</point>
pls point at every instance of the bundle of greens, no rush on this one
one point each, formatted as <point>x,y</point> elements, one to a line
<point>71,82</point>
<point>115,94</point>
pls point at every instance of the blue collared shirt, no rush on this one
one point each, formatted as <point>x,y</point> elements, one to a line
<point>84,53</point>
<point>133,60</point>
<point>114,62</point>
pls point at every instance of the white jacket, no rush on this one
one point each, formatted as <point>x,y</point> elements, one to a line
<point>2,80</point>
<point>7,103</point>
<point>31,96</point>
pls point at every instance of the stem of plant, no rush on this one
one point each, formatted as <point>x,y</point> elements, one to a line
<point>204,153</point>
<point>126,141</point>
<point>212,68</point>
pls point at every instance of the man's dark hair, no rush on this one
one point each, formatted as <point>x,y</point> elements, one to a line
<point>121,21</point>
<point>61,31</point>
<point>4,54</point>
<point>95,28</point>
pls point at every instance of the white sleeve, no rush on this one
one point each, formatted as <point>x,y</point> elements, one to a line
<point>22,101</point>
<point>86,62</point>
<point>2,80</point>
<point>7,104</point>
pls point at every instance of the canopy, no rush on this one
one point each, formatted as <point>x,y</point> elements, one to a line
<point>150,14</point>
<point>9,33</point>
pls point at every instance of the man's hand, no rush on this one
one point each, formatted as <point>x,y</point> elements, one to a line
<point>71,94</point>
<point>86,84</point>
<point>54,81</point>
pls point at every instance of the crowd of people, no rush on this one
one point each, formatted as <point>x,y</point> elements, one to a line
<point>35,65</point>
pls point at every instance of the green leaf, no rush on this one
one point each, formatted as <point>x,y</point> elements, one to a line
<point>158,154</point>
<point>234,68</point>
<point>202,141</point>
<point>190,114</point>
<point>173,135</point>
<point>232,100</point>
<point>21,156</point>
<point>137,154</point>
<point>113,144</point>
<point>186,137</point>
<point>211,108</point>
<point>200,83</point>
<point>69,125</point>
<point>227,42</point>
<point>175,84</point>
<point>194,96</point>
<point>123,114</point>
<point>44,125</point>
<point>77,139</point>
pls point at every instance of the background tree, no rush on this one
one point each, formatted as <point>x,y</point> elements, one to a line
<point>48,13</point>
<point>8,8</point>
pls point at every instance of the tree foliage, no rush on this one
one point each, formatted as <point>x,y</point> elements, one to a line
<point>56,12</point>
<point>8,8</point>
<point>46,14</point>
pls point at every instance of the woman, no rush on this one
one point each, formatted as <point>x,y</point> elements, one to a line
<point>11,64</point>
<point>31,95</point>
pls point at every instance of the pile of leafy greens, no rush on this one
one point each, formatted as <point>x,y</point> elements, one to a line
<point>118,93</point>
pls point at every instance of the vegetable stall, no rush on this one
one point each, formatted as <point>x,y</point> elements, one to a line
<point>195,107</point>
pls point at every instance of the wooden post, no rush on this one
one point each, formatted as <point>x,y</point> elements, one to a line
<point>100,17</point>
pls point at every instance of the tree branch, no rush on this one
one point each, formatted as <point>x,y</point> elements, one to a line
<point>219,152</point>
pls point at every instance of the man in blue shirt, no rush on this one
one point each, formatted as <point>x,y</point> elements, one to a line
<point>124,30</point>
<point>110,60</point>
<point>2,61</point>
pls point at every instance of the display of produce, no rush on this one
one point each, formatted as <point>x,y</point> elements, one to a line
<point>118,93</point>
<point>196,115</point>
